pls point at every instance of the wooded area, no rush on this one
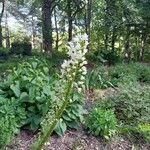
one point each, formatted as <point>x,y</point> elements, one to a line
<point>120,28</point>
<point>74,74</point>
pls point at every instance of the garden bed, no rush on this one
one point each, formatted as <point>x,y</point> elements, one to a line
<point>79,140</point>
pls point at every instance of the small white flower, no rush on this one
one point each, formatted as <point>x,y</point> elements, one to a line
<point>84,69</point>
<point>85,37</point>
<point>80,82</point>
<point>85,51</point>
<point>82,78</point>
<point>79,90</point>
<point>76,52</point>
<point>84,63</point>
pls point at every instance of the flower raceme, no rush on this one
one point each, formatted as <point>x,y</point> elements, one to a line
<point>73,73</point>
<point>75,66</point>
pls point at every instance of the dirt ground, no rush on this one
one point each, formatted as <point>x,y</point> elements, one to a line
<point>79,140</point>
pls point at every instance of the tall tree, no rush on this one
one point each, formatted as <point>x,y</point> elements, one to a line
<point>47,26</point>
<point>47,9</point>
<point>1,16</point>
<point>88,20</point>
<point>7,33</point>
<point>74,7</point>
<point>56,29</point>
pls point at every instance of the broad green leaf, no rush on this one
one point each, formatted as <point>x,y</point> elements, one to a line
<point>16,88</point>
<point>24,97</point>
<point>61,128</point>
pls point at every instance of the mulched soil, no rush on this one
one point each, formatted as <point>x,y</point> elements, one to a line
<point>78,140</point>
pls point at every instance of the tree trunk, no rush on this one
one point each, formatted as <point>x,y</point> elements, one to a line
<point>7,34</point>
<point>56,29</point>
<point>1,16</point>
<point>33,33</point>
<point>127,46</point>
<point>88,20</point>
<point>143,45</point>
<point>114,36</point>
<point>47,26</point>
<point>106,41</point>
<point>70,20</point>
<point>107,25</point>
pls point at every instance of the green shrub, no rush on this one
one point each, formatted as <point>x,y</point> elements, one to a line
<point>147,55</point>
<point>121,73</point>
<point>4,52</point>
<point>144,129</point>
<point>129,73</point>
<point>111,57</point>
<point>21,48</point>
<point>143,72</point>
<point>95,57</point>
<point>103,56</point>
<point>31,85</point>
<point>103,77</point>
<point>98,78</point>
<point>131,104</point>
<point>101,122</point>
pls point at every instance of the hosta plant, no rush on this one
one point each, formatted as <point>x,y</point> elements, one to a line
<point>31,85</point>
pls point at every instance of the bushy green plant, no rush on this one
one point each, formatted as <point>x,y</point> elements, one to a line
<point>103,56</point>
<point>21,48</point>
<point>111,57</point>
<point>147,55</point>
<point>31,85</point>
<point>95,57</point>
<point>131,104</point>
<point>101,122</point>
<point>144,129</point>
<point>4,52</point>
<point>103,77</point>
<point>129,73</point>
<point>121,73</point>
<point>98,78</point>
<point>142,72</point>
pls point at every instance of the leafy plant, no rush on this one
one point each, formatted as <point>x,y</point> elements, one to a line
<point>98,78</point>
<point>31,85</point>
<point>12,118</point>
<point>121,74</point>
<point>110,56</point>
<point>21,48</point>
<point>131,73</point>
<point>143,72</point>
<point>131,104</point>
<point>72,116</point>
<point>101,122</point>
<point>4,52</point>
<point>144,129</point>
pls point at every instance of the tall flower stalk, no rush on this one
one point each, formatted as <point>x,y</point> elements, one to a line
<point>72,77</point>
